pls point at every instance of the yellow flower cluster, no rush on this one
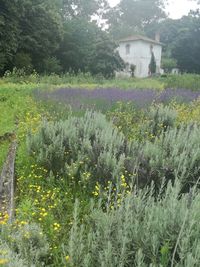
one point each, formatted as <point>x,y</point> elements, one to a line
<point>29,122</point>
<point>187,113</point>
<point>3,261</point>
<point>56,226</point>
<point>4,217</point>
<point>115,193</point>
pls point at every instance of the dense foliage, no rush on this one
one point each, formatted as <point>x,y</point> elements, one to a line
<point>181,42</point>
<point>101,189</point>
<point>71,36</point>
<point>51,37</point>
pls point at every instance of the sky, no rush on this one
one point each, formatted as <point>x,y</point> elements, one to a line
<point>176,8</point>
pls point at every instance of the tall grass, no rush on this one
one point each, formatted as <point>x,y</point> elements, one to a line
<point>82,80</point>
<point>185,81</point>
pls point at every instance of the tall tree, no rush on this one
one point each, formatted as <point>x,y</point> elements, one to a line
<point>9,31</point>
<point>86,47</point>
<point>41,30</point>
<point>29,28</point>
<point>82,8</point>
<point>131,16</point>
<point>187,46</point>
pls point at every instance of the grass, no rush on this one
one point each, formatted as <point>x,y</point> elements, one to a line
<point>15,101</point>
<point>186,81</point>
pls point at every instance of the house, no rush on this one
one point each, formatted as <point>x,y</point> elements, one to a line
<point>137,50</point>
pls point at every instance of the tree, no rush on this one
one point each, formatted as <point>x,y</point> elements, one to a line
<point>132,68</point>
<point>82,8</point>
<point>9,31</point>
<point>41,31</point>
<point>168,64</point>
<point>187,46</point>
<point>78,40</point>
<point>54,36</point>
<point>152,65</point>
<point>104,59</point>
<point>131,16</point>
<point>85,47</point>
<point>31,27</point>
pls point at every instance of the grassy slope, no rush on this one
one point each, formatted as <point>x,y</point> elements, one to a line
<point>13,104</point>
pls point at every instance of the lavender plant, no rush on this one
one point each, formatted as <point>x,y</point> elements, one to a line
<point>142,231</point>
<point>23,246</point>
<point>176,153</point>
<point>89,144</point>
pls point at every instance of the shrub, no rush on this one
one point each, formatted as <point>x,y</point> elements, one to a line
<point>9,258</point>
<point>152,64</point>
<point>143,124</point>
<point>25,245</point>
<point>91,145</point>
<point>31,244</point>
<point>142,231</point>
<point>23,61</point>
<point>159,118</point>
<point>168,64</point>
<point>79,145</point>
<point>176,153</point>
<point>51,65</point>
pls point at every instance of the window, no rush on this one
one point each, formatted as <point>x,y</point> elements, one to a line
<point>127,49</point>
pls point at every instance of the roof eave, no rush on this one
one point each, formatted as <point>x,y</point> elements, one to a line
<point>140,39</point>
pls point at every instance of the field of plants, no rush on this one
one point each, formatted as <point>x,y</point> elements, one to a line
<point>107,171</point>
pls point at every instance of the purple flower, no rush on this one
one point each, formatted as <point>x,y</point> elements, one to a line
<point>103,98</point>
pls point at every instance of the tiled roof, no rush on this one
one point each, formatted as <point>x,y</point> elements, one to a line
<point>139,37</point>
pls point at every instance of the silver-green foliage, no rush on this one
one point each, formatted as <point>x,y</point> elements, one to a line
<point>91,140</point>
<point>11,258</point>
<point>25,246</point>
<point>176,153</point>
<point>159,119</point>
<point>142,231</point>
<point>91,144</point>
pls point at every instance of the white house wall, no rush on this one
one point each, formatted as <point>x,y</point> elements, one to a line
<point>140,55</point>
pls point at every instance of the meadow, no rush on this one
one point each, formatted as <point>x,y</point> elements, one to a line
<point>107,171</point>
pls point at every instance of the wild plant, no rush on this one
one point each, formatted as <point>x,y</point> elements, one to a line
<point>87,145</point>
<point>31,244</point>
<point>176,153</point>
<point>23,245</point>
<point>159,118</point>
<point>9,258</point>
<point>141,231</point>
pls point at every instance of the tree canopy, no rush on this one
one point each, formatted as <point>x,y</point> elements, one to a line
<point>65,35</point>
<point>131,16</point>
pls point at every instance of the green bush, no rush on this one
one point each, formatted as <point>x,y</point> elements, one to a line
<point>90,149</point>
<point>9,258</point>
<point>31,244</point>
<point>88,144</point>
<point>51,65</point>
<point>176,153</point>
<point>25,245</point>
<point>159,118</point>
<point>142,124</point>
<point>142,231</point>
<point>23,61</point>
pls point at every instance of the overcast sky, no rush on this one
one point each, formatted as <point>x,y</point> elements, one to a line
<point>176,8</point>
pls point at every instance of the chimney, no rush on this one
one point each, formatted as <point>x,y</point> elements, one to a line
<point>157,37</point>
